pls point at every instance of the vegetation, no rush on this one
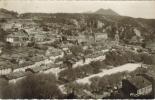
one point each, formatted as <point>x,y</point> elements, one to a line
<point>59,27</point>
<point>7,13</point>
<point>106,83</point>
<point>3,34</point>
<point>76,50</point>
<point>41,86</point>
<point>72,74</point>
<point>120,57</point>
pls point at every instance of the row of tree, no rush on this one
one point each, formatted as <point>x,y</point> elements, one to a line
<point>71,74</point>
<point>120,57</point>
<point>41,86</point>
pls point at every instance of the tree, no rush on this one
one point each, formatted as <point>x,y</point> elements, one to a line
<point>94,84</point>
<point>73,89</point>
<point>103,83</point>
<point>3,20</point>
<point>76,50</point>
<point>3,86</point>
<point>3,34</point>
<point>41,86</point>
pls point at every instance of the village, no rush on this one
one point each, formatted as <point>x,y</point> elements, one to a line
<point>78,55</point>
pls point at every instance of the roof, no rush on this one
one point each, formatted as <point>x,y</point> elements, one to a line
<point>139,82</point>
<point>53,51</point>
<point>6,64</point>
<point>36,69</point>
<point>40,35</point>
<point>151,74</point>
<point>89,93</point>
<point>20,33</point>
<point>48,66</point>
<point>150,45</point>
<point>16,75</point>
<point>2,44</point>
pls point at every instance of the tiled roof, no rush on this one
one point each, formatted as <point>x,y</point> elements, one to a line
<point>6,64</point>
<point>38,68</point>
<point>16,75</point>
<point>139,82</point>
<point>151,74</point>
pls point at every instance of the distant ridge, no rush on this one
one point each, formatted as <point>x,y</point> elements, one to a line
<point>106,12</point>
<point>7,14</point>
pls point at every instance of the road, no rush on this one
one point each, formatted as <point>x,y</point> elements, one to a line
<point>46,61</point>
<point>86,80</point>
<point>126,67</point>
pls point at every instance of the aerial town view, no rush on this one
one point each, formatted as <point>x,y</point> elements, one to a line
<point>83,50</point>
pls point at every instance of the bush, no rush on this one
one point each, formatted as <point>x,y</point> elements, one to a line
<point>148,59</point>
<point>76,50</point>
<point>120,57</point>
<point>41,86</point>
<point>69,75</point>
<point>100,84</point>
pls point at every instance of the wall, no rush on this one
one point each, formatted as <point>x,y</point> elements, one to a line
<point>145,90</point>
<point>5,71</point>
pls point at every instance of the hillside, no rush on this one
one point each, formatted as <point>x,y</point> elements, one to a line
<point>106,12</point>
<point>7,14</point>
<point>74,55</point>
<point>129,29</point>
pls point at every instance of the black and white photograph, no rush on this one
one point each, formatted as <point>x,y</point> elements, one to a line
<point>77,49</point>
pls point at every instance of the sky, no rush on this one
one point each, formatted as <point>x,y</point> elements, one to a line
<point>142,9</point>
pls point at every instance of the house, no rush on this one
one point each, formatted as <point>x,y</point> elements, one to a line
<point>48,66</point>
<point>66,50</point>
<point>36,69</point>
<point>85,39</point>
<point>2,44</point>
<point>14,77</point>
<point>136,40</point>
<point>136,86</point>
<point>1,49</point>
<point>40,68</point>
<point>88,94</point>
<point>150,46</point>
<point>18,38</point>
<point>5,67</point>
<point>100,24</point>
<point>11,25</point>
<point>51,51</point>
<point>7,26</point>
<point>40,37</point>
<point>137,32</point>
<point>82,39</point>
<point>30,65</point>
<point>116,38</point>
<point>37,35</point>
<point>72,39</point>
<point>5,71</point>
<point>150,75</point>
<point>101,36</point>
